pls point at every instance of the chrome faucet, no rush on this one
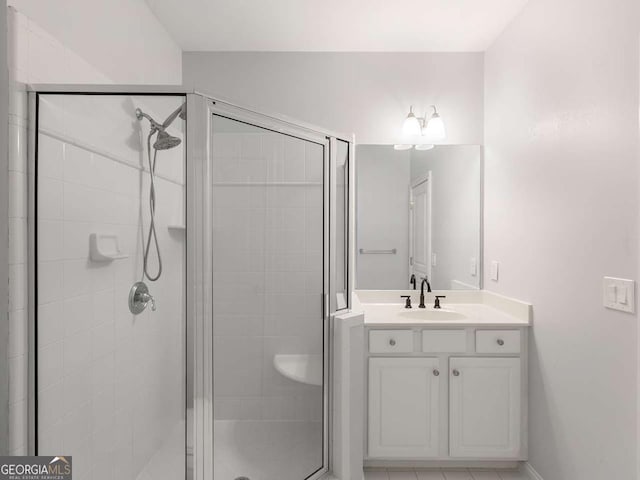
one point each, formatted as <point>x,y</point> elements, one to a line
<point>424,280</point>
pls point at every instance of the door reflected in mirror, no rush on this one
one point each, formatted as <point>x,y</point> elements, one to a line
<point>418,214</point>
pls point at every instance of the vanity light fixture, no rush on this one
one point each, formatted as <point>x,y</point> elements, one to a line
<point>403,146</point>
<point>412,125</point>
<point>432,130</point>
<point>424,146</point>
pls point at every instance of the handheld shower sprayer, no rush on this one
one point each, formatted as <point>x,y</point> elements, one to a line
<point>164,141</point>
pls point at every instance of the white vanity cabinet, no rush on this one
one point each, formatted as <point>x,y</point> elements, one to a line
<point>484,407</point>
<point>404,406</point>
<point>446,394</point>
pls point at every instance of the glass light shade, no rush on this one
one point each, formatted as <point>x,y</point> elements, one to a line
<point>402,147</point>
<point>424,146</point>
<point>411,126</point>
<point>435,131</point>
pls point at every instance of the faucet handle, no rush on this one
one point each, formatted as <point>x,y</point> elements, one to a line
<point>148,298</point>
<point>437,303</point>
<point>139,298</point>
<point>407,303</point>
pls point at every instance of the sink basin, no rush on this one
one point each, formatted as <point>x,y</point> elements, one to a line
<point>422,314</point>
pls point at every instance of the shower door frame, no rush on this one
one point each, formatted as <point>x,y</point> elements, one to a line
<point>200,111</point>
<point>34,91</point>
<point>199,255</point>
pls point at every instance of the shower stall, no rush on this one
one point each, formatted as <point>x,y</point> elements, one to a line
<point>187,257</point>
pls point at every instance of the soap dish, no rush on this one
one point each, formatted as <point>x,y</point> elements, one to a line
<point>104,247</point>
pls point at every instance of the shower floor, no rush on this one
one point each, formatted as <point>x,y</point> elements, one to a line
<point>168,462</point>
<point>266,450</point>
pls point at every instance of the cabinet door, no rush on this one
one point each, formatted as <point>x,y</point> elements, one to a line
<point>403,407</point>
<point>484,407</point>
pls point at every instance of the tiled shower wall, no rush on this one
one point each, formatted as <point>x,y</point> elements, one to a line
<point>17,351</point>
<point>268,227</point>
<point>34,56</point>
<point>110,384</point>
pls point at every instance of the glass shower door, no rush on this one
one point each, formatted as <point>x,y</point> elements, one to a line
<point>109,384</point>
<point>269,327</point>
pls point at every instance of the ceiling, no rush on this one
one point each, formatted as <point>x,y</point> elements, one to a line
<point>336,25</point>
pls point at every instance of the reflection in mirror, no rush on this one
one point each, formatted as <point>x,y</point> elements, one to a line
<point>418,213</point>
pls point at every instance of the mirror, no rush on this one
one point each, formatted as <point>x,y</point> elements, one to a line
<point>418,213</point>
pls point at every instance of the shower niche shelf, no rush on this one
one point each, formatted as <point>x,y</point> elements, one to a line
<point>104,247</point>
<point>305,368</point>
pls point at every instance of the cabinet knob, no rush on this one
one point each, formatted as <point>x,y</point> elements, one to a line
<point>456,373</point>
<point>392,342</point>
<point>500,342</point>
<point>436,372</point>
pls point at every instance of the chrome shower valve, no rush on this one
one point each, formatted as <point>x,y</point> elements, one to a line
<point>139,298</point>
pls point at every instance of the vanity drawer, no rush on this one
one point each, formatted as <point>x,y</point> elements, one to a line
<point>498,341</point>
<point>444,341</point>
<point>391,341</point>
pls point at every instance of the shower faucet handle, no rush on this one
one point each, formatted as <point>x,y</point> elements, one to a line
<point>148,298</point>
<point>139,298</point>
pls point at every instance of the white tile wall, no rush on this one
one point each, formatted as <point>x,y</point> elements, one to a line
<point>110,383</point>
<point>268,226</point>
<point>76,397</point>
<point>34,56</point>
<point>17,352</point>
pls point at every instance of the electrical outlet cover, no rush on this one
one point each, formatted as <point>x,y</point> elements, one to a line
<point>495,267</point>
<point>619,294</point>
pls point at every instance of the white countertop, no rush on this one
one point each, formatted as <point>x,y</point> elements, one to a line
<point>479,308</point>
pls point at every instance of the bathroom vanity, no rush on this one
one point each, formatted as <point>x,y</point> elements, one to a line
<point>445,385</point>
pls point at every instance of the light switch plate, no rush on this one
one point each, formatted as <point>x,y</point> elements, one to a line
<point>434,260</point>
<point>495,266</point>
<point>619,294</point>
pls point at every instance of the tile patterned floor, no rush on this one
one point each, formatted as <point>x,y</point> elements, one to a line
<point>454,474</point>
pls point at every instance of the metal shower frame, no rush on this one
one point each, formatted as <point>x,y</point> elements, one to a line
<point>199,254</point>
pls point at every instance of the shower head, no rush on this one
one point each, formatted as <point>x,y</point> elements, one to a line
<point>164,141</point>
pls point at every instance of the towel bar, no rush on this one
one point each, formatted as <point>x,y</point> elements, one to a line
<point>393,251</point>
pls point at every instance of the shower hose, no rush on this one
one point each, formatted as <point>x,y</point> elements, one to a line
<point>152,210</point>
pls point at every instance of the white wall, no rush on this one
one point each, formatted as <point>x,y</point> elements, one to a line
<point>561,211</point>
<point>382,206</point>
<point>36,56</point>
<point>368,94</point>
<point>455,212</point>
<point>122,39</point>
